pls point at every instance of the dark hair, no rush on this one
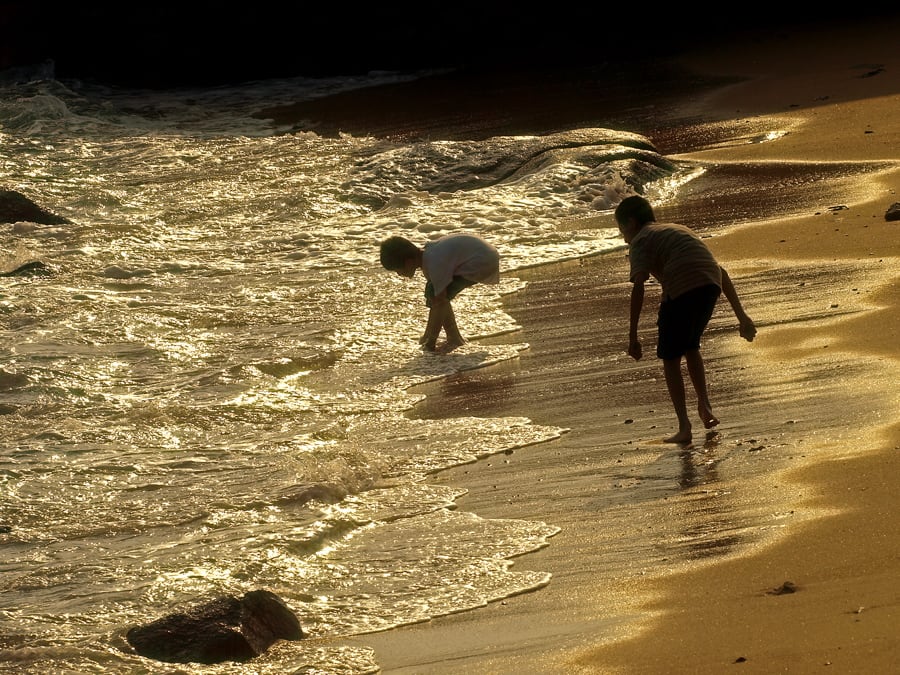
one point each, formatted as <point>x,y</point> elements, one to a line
<point>395,251</point>
<point>634,207</point>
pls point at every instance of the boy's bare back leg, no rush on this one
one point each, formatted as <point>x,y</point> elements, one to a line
<point>675,384</point>
<point>451,330</point>
<point>697,372</point>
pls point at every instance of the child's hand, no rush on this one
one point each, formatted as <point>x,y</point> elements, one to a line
<point>747,329</point>
<point>635,350</point>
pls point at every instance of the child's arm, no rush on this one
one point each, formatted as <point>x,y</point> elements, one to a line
<point>635,350</point>
<point>747,327</point>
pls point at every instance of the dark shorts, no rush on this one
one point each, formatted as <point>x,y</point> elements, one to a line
<point>681,321</point>
<point>453,289</point>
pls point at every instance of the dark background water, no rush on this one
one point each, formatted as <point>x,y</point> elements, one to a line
<point>175,44</point>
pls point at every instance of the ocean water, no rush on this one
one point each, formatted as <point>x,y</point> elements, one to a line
<point>208,392</point>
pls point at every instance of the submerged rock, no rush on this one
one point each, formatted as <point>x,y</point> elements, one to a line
<point>222,629</point>
<point>29,269</point>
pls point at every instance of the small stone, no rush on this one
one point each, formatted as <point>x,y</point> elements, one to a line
<point>893,212</point>
<point>785,588</point>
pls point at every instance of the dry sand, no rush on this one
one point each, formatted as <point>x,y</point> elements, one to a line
<point>798,491</point>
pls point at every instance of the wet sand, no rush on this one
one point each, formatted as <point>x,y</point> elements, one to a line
<point>773,544</point>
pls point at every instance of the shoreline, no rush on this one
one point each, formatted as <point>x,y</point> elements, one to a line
<point>816,283</point>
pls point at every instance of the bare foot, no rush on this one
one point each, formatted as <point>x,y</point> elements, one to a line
<point>449,345</point>
<point>706,414</point>
<point>683,436</point>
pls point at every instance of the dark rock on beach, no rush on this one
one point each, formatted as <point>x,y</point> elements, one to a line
<point>223,629</point>
<point>786,588</point>
<point>16,207</point>
<point>893,212</point>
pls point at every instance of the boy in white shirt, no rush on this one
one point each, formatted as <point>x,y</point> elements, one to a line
<point>449,264</point>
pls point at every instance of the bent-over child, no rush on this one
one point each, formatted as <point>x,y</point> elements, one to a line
<point>450,264</point>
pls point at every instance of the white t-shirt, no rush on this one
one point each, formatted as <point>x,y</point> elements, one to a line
<point>460,255</point>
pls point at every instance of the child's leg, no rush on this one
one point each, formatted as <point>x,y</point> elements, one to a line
<point>454,339</point>
<point>697,372</point>
<point>675,384</point>
<point>451,331</point>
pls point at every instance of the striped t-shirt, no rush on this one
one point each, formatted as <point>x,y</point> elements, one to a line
<point>675,256</point>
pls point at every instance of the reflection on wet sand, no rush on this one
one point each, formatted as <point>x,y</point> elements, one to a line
<point>709,527</point>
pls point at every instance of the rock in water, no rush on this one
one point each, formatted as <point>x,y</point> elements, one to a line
<point>16,207</point>
<point>29,269</point>
<point>222,629</point>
